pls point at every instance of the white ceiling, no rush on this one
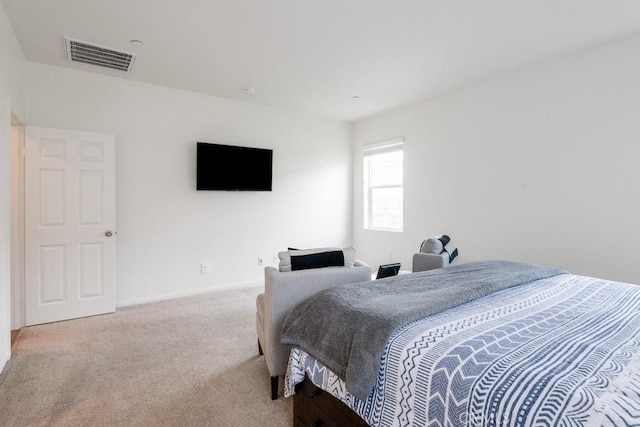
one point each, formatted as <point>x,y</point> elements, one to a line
<point>315,55</point>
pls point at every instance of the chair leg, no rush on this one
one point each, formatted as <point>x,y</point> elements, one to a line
<point>274,388</point>
<point>260,349</point>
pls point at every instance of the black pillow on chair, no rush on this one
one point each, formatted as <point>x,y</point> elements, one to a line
<point>316,260</point>
<point>286,256</point>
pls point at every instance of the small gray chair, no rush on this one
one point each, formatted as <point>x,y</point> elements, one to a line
<point>435,252</point>
<point>283,290</point>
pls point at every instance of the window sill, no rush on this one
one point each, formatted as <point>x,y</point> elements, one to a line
<point>392,230</point>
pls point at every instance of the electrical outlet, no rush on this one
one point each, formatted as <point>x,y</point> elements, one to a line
<point>205,268</point>
<point>260,260</point>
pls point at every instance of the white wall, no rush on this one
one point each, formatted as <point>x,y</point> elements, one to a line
<point>541,165</point>
<point>12,66</point>
<point>165,227</point>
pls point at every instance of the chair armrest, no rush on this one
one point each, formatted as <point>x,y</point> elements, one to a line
<point>424,261</point>
<point>358,263</point>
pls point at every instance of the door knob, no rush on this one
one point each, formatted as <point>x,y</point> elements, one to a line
<point>108,233</point>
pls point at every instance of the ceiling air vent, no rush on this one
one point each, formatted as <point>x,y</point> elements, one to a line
<point>93,54</point>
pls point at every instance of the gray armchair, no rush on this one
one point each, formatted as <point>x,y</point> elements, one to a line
<point>282,292</point>
<point>426,261</point>
<point>435,252</point>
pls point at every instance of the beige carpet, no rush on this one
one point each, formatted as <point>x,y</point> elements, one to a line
<point>184,362</point>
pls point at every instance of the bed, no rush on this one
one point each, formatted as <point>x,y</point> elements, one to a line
<point>501,343</point>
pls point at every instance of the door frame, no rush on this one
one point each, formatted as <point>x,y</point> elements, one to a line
<point>18,316</point>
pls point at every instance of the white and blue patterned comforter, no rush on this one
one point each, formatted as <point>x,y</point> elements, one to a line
<point>559,351</point>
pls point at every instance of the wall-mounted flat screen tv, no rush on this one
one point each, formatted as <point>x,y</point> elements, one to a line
<point>232,168</point>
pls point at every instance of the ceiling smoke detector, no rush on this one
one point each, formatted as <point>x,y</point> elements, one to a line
<point>100,56</point>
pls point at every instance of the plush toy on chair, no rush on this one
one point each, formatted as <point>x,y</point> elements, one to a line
<point>435,252</point>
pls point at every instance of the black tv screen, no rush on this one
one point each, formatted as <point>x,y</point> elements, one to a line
<point>233,168</point>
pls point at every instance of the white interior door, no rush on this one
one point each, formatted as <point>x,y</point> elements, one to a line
<point>70,237</point>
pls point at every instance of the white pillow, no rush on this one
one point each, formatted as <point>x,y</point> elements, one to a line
<point>431,246</point>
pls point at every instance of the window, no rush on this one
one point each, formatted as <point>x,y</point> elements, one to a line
<point>383,186</point>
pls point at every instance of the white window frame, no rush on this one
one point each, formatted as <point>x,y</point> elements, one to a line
<point>371,150</point>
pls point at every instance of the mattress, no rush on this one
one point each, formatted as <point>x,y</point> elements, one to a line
<point>563,350</point>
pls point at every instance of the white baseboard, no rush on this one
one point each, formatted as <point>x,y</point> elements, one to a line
<point>189,292</point>
<point>3,361</point>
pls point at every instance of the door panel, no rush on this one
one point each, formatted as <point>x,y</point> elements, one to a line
<point>53,272</point>
<point>90,269</point>
<point>90,197</point>
<point>69,207</point>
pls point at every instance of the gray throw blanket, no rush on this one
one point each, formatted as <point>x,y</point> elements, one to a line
<point>347,327</point>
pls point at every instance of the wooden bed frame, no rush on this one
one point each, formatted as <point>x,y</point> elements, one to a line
<point>314,407</point>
